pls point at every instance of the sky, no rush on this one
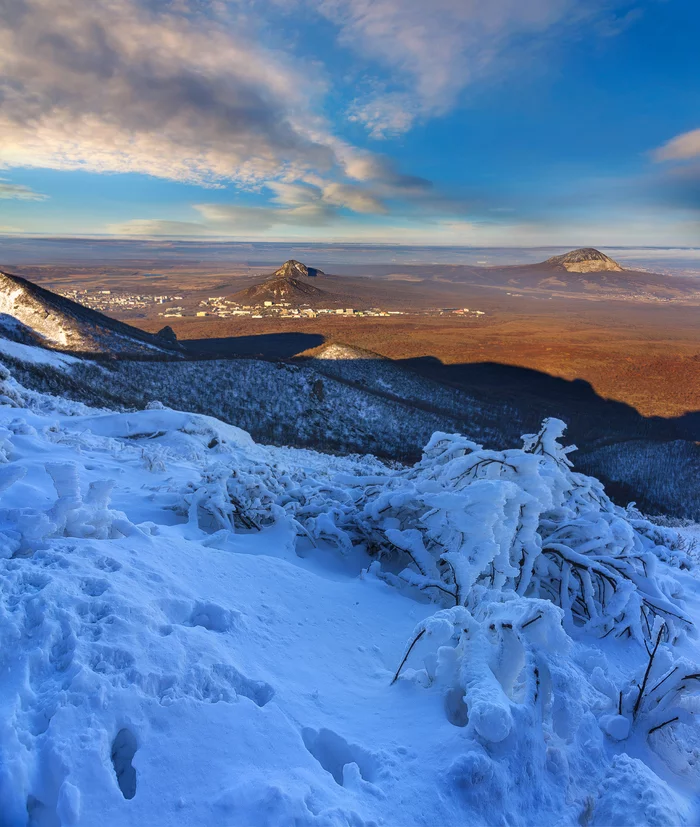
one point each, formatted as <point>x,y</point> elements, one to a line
<point>449,122</point>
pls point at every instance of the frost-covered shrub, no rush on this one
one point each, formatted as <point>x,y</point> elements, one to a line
<point>247,493</point>
<point>520,520</point>
<point>501,664</point>
<point>666,690</point>
<point>23,530</point>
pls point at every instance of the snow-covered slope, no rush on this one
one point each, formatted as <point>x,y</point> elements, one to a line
<point>58,322</point>
<point>198,630</point>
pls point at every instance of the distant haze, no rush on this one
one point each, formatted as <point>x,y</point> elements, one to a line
<point>16,251</point>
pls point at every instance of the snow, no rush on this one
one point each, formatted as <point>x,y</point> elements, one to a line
<point>196,630</point>
<point>36,355</point>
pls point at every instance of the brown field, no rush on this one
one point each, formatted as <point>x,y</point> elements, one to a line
<point>645,355</point>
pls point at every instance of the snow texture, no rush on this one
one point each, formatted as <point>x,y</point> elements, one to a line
<point>199,630</point>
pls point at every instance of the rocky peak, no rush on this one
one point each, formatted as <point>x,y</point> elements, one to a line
<point>584,260</point>
<point>293,269</point>
<point>167,334</point>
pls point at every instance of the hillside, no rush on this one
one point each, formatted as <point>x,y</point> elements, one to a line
<point>582,273</point>
<point>33,314</point>
<point>588,272</point>
<point>283,289</point>
<point>584,260</point>
<point>287,284</point>
<point>295,269</point>
<point>196,629</point>
<point>347,400</point>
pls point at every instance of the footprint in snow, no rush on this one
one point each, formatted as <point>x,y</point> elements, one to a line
<point>208,615</point>
<point>344,761</point>
<point>124,748</point>
<point>94,586</point>
<point>107,564</point>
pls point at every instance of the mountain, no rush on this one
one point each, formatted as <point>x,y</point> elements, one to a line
<point>286,285</point>
<point>295,269</point>
<point>282,289</point>
<point>584,260</point>
<point>585,272</point>
<point>34,315</point>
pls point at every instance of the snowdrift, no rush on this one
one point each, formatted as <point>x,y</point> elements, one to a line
<point>195,629</point>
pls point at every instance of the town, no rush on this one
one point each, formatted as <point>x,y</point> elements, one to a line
<point>171,306</point>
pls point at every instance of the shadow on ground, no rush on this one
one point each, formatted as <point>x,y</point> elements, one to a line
<point>265,346</point>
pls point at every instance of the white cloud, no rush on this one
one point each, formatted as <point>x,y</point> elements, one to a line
<point>19,192</point>
<point>681,148</point>
<point>234,220</point>
<point>384,115</point>
<point>126,86</point>
<point>323,195</point>
<point>154,227</point>
<point>182,91</point>
<point>434,50</point>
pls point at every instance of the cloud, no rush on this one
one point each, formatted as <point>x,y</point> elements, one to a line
<point>366,166</point>
<point>234,219</point>
<point>327,193</point>
<point>385,115</point>
<point>154,227</point>
<point>19,192</point>
<point>181,91</point>
<point>681,148</point>
<point>435,50</point>
<point>135,87</point>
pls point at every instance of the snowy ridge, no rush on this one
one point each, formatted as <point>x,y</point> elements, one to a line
<point>195,629</point>
<point>54,321</point>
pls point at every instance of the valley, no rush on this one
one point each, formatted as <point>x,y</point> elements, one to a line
<point>624,374</point>
<point>647,356</point>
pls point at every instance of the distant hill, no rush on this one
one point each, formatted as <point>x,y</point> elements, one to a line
<point>287,284</point>
<point>585,272</point>
<point>295,269</point>
<point>584,260</point>
<point>34,315</point>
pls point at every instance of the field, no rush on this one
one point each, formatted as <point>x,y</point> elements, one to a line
<point>641,350</point>
<point>645,355</point>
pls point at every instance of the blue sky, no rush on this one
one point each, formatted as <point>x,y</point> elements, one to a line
<point>450,122</point>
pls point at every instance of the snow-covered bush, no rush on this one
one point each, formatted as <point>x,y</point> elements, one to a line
<point>521,520</point>
<point>246,493</point>
<point>500,663</point>
<point>23,530</point>
<point>666,690</point>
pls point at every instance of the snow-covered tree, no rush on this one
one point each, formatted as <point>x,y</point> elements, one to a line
<point>520,520</point>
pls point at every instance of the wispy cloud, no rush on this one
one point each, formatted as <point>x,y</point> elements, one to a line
<point>237,220</point>
<point>434,50</point>
<point>681,148</point>
<point>133,86</point>
<point>19,192</point>
<point>155,227</point>
<point>181,91</point>
<point>385,114</point>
